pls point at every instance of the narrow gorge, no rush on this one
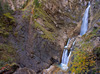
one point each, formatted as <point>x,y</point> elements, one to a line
<point>49,36</point>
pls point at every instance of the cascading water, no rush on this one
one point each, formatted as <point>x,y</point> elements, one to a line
<point>84,27</point>
<point>65,57</point>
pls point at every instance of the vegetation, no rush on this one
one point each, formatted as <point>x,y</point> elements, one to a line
<point>25,4</point>
<point>37,12</point>
<point>91,35</point>
<point>97,52</point>
<point>7,53</point>
<point>48,26</point>
<point>36,2</point>
<point>47,34</point>
<point>83,59</point>
<point>6,24</point>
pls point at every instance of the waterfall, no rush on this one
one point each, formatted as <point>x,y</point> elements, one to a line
<point>65,57</point>
<point>84,27</point>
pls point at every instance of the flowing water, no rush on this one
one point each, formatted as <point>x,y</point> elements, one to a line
<point>65,57</point>
<point>84,28</point>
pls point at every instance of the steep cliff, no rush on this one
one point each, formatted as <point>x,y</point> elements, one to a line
<point>37,30</point>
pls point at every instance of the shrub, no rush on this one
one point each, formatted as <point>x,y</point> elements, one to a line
<point>83,59</point>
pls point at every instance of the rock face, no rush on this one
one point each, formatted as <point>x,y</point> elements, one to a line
<point>40,33</point>
<point>36,45</point>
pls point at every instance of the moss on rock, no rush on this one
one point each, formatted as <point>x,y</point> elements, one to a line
<point>47,34</point>
<point>7,54</point>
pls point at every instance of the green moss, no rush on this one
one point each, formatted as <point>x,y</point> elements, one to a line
<point>43,14</point>
<point>8,15</point>
<point>6,24</point>
<point>47,34</point>
<point>7,53</point>
<point>6,33</point>
<point>22,49</point>
<point>16,33</point>
<point>36,2</point>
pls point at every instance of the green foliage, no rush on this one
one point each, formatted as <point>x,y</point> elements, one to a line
<point>8,15</point>
<point>83,59</point>
<point>7,53</point>
<point>6,24</point>
<point>36,2</point>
